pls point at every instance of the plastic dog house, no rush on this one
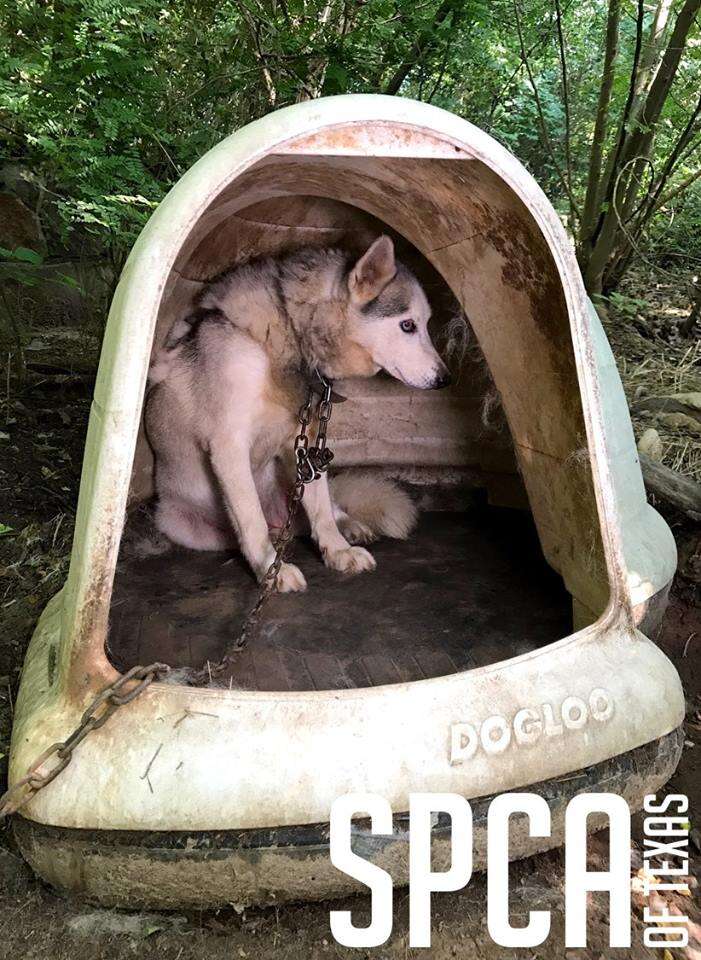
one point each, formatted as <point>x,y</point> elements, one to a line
<point>204,796</point>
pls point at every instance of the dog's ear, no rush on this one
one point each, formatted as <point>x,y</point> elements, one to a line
<point>373,271</point>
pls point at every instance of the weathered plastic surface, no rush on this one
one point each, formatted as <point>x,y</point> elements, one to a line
<point>245,759</point>
<point>204,869</point>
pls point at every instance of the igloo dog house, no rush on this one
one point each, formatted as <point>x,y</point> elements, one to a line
<point>209,795</point>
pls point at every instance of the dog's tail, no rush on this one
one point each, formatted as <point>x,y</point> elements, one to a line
<point>377,503</point>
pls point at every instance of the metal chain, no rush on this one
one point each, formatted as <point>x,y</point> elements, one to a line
<point>310,463</point>
<point>98,713</point>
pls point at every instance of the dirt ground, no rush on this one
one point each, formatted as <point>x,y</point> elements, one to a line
<point>41,439</point>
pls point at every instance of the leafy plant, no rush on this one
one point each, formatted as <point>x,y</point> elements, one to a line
<point>17,273</point>
<point>107,102</point>
<point>626,305</point>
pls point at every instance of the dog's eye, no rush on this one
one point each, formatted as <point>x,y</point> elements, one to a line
<point>408,326</point>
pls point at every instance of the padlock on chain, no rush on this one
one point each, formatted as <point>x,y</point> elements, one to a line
<point>319,458</point>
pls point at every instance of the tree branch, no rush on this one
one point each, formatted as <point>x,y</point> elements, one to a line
<point>671,488</point>
<point>659,90</point>
<point>680,188</point>
<point>565,101</point>
<point>651,51</point>
<point>686,135</point>
<point>503,90</point>
<point>253,25</point>
<point>632,143</point>
<point>547,142</point>
<point>616,163</point>
<point>654,199</point>
<point>591,200</point>
<point>426,39</point>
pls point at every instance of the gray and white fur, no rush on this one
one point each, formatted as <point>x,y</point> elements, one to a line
<point>225,390</point>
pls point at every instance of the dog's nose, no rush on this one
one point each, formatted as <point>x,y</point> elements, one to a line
<point>442,380</point>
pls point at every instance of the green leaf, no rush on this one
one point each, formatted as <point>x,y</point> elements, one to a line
<point>337,79</point>
<point>25,255</point>
<point>65,280</point>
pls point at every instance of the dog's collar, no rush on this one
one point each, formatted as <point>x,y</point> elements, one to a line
<point>317,384</point>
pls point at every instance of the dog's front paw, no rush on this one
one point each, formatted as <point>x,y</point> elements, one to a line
<point>350,560</point>
<point>290,579</point>
<point>355,531</point>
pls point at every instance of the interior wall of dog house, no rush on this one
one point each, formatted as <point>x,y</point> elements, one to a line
<point>452,439</point>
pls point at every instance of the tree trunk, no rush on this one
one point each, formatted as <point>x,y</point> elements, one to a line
<point>646,73</point>
<point>591,201</point>
<point>664,78</point>
<point>621,257</point>
<point>634,141</point>
<point>686,328</point>
<point>651,53</point>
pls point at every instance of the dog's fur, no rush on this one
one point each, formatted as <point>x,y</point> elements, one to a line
<point>227,386</point>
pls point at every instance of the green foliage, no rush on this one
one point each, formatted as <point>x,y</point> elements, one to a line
<point>80,94</point>
<point>18,274</point>
<point>13,265</point>
<point>109,101</point>
<point>626,306</point>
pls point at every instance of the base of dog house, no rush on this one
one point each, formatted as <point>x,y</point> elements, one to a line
<point>161,870</point>
<point>467,589</point>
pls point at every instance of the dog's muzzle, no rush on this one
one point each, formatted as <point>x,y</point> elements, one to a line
<point>442,380</point>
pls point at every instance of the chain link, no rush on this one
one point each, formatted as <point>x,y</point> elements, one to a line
<point>310,463</point>
<point>98,713</point>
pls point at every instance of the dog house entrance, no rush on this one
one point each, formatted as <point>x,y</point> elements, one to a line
<point>472,585</point>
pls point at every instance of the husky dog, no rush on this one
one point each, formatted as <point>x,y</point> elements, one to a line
<point>227,386</point>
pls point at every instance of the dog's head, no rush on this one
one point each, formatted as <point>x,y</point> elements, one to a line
<point>388,318</point>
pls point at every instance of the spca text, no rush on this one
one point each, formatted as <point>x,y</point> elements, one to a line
<point>448,866</point>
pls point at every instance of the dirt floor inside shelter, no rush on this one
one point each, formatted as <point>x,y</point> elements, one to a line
<point>187,608</point>
<point>42,436</point>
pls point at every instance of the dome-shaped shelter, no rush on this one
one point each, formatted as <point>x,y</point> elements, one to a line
<point>240,781</point>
